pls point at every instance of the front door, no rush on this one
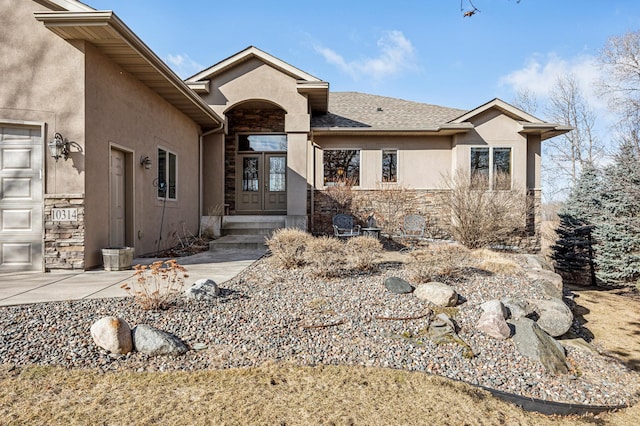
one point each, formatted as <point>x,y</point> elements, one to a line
<point>262,183</point>
<point>117,188</point>
<point>21,199</point>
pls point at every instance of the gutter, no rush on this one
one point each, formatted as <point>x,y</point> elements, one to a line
<point>447,129</point>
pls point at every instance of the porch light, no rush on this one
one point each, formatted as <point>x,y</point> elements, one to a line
<point>59,147</point>
<point>145,161</point>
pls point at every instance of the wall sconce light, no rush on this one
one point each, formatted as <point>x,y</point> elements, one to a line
<point>59,147</point>
<point>146,162</point>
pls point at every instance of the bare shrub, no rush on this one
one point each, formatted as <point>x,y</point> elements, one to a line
<point>325,257</point>
<point>495,262</point>
<point>440,260</point>
<point>394,202</point>
<point>364,252</point>
<point>482,217</point>
<point>155,286</point>
<point>341,194</point>
<point>288,246</point>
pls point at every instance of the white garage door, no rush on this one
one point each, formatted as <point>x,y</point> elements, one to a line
<point>21,204</point>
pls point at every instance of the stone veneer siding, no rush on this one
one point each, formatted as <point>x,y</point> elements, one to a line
<point>246,121</point>
<point>64,241</point>
<point>389,209</point>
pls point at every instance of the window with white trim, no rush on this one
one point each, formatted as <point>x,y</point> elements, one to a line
<point>491,168</point>
<point>167,174</point>
<point>389,165</point>
<point>341,166</point>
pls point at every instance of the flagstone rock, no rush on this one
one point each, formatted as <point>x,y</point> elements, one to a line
<point>532,342</point>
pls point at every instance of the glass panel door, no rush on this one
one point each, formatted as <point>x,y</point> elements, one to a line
<point>249,186</point>
<point>275,198</point>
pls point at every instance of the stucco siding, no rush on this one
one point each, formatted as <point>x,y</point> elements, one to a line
<point>124,114</point>
<point>43,81</point>
<point>423,161</point>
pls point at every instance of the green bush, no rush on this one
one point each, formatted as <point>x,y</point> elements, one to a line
<point>288,246</point>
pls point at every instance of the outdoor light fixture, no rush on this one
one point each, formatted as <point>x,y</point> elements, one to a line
<point>145,161</point>
<point>59,147</point>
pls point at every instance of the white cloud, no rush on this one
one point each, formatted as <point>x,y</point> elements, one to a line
<point>396,55</point>
<point>540,73</point>
<point>183,65</point>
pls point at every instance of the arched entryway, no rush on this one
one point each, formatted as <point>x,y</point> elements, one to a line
<point>256,159</point>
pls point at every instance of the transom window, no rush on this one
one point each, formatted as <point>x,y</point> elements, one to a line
<point>341,166</point>
<point>491,168</point>
<point>389,165</point>
<point>167,174</point>
<point>262,143</point>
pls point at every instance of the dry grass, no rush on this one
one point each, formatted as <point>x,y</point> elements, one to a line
<point>287,247</point>
<point>273,394</point>
<point>325,257</point>
<point>364,252</point>
<point>436,261</point>
<point>495,262</point>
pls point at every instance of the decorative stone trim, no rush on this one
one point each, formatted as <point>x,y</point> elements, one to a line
<point>64,241</point>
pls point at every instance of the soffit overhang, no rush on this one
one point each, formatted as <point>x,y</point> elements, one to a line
<point>445,130</point>
<point>115,40</point>
<point>544,130</point>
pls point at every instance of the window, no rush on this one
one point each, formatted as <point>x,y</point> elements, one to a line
<point>491,168</point>
<point>167,176</point>
<point>389,165</point>
<point>262,142</point>
<point>341,166</point>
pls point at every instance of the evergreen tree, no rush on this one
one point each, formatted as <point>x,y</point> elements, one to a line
<point>618,231</point>
<point>573,251</point>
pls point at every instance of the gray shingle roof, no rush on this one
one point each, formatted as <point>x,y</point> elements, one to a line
<point>360,110</point>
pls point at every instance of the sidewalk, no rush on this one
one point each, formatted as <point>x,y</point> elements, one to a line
<point>35,287</point>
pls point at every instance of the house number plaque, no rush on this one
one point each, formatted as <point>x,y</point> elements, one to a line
<point>64,215</point>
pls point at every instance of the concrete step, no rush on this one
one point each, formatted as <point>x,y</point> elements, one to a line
<point>267,232</point>
<point>252,225</point>
<point>243,242</point>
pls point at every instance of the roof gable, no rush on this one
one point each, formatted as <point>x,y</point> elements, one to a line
<point>507,109</point>
<point>247,54</point>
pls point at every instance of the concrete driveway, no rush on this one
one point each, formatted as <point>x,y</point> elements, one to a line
<point>37,287</point>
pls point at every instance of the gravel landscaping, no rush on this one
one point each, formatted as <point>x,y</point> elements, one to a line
<point>270,315</point>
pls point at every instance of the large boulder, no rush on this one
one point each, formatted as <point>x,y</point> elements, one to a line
<point>494,325</point>
<point>554,316</point>
<point>517,308</point>
<point>532,342</point>
<point>112,334</point>
<point>536,261</point>
<point>151,341</point>
<point>204,289</point>
<point>554,280</point>
<point>437,293</point>
<point>398,285</point>
<point>548,288</point>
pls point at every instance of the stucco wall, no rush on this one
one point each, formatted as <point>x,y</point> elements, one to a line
<point>423,161</point>
<point>123,113</point>
<point>42,80</point>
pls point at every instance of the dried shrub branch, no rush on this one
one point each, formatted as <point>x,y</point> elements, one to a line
<point>364,251</point>
<point>288,247</point>
<point>325,257</point>
<point>156,286</point>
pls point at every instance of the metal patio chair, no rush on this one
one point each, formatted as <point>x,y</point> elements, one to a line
<point>344,227</point>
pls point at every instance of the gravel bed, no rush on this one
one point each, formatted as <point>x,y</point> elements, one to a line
<point>267,315</point>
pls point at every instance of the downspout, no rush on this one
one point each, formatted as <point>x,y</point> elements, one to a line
<point>201,168</point>
<point>313,183</point>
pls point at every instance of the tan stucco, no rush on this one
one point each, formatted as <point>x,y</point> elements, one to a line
<point>124,114</point>
<point>42,81</point>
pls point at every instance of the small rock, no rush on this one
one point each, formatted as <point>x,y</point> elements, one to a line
<point>495,306</point>
<point>437,293</point>
<point>554,316</point>
<point>151,341</point>
<point>112,334</point>
<point>398,285</point>
<point>204,289</point>
<point>441,326</point>
<point>494,325</point>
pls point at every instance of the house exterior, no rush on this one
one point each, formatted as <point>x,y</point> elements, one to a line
<point>147,154</point>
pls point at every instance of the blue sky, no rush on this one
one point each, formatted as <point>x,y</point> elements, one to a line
<point>420,50</point>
